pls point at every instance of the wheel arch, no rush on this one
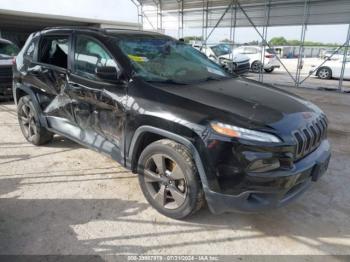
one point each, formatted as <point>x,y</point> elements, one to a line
<point>255,61</point>
<point>153,134</point>
<point>24,91</point>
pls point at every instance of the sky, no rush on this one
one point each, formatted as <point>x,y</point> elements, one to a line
<point>316,33</point>
<point>125,10</point>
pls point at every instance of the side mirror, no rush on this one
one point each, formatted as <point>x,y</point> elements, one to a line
<point>108,73</point>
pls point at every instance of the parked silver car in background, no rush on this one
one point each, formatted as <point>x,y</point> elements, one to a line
<point>269,63</point>
<point>8,51</point>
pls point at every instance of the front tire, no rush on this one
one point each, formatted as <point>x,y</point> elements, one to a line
<point>28,119</point>
<point>256,67</point>
<point>324,73</point>
<point>169,179</point>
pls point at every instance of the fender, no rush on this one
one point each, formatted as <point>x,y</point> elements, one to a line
<point>144,129</point>
<point>34,99</point>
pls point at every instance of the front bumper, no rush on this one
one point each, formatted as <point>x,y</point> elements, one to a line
<point>291,184</point>
<point>238,68</point>
<point>242,68</point>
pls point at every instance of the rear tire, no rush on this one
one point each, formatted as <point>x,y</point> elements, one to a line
<point>28,119</point>
<point>324,73</point>
<point>270,70</point>
<point>169,179</point>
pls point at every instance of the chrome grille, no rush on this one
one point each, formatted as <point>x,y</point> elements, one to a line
<point>309,138</point>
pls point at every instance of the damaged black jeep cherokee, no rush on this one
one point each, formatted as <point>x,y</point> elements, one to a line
<point>162,109</point>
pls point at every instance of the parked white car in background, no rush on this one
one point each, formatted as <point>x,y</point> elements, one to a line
<point>332,69</point>
<point>222,55</point>
<point>254,53</point>
<point>333,54</point>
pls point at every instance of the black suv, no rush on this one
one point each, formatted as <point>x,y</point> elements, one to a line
<point>162,109</point>
<point>7,52</point>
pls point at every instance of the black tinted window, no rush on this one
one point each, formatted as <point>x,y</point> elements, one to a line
<point>54,51</point>
<point>8,49</point>
<point>89,55</point>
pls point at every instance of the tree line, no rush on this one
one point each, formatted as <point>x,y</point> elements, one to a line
<point>275,41</point>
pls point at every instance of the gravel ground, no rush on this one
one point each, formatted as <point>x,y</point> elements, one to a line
<point>65,199</point>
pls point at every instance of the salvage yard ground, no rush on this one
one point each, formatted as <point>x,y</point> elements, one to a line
<point>64,199</point>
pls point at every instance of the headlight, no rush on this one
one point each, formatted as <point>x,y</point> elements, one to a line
<point>239,132</point>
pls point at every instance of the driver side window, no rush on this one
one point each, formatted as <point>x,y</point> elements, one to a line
<point>89,55</point>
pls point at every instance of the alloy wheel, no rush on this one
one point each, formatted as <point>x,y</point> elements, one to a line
<point>165,181</point>
<point>28,122</point>
<point>324,73</point>
<point>256,67</point>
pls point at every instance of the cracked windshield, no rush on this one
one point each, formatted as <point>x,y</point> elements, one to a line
<point>166,60</point>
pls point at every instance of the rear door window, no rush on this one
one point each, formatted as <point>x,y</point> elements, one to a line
<point>53,50</point>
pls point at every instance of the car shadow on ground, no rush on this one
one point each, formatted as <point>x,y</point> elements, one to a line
<point>62,142</point>
<point>46,226</point>
<point>50,226</point>
<point>59,142</point>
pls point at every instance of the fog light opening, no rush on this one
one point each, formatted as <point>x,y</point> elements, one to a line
<point>264,165</point>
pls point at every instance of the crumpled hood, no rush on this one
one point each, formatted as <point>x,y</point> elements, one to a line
<point>241,99</point>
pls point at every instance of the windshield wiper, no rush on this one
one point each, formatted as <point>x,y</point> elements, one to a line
<point>167,81</point>
<point>211,78</point>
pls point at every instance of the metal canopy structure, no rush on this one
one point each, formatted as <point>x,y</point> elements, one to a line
<point>282,12</point>
<point>160,15</point>
<point>19,24</point>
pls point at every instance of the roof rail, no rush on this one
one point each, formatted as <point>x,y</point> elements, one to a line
<point>73,27</point>
<point>105,30</point>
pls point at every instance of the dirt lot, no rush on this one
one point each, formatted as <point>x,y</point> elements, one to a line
<point>64,199</point>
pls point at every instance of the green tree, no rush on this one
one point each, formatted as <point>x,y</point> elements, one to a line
<point>293,42</point>
<point>254,42</point>
<point>187,39</point>
<point>278,41</point>
<point>226,40</point>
